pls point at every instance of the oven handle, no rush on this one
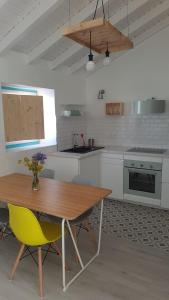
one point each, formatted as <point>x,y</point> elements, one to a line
<point>147,171</point>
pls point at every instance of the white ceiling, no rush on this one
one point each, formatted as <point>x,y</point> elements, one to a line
<point>35,27</point>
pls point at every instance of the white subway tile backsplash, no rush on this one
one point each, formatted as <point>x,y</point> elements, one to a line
<point>152,130</point>
<point>66,127</point>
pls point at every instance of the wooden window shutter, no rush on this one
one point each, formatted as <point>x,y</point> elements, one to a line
<point>23,117</point>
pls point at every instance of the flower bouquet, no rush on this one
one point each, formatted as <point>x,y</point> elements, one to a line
<point>35,164</point>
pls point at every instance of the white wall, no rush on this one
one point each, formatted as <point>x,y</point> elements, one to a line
<point>140,74</point>
<point>68,89</point>
<point>14,70</point>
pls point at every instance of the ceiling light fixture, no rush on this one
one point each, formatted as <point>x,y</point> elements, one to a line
<point>90,66</point>
<point>107,59</point>
<point>106,38</point>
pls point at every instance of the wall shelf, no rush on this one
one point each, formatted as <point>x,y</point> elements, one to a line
<point>115,108</point>
<point>72,110</point>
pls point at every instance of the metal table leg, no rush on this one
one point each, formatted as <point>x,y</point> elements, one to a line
<point>83,267</point>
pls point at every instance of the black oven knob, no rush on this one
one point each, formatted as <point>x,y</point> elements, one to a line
<point>141,165</point>
<point>132,165</point>
<point>151,166</point>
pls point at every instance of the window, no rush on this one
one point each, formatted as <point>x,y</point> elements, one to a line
<point>29,117</point>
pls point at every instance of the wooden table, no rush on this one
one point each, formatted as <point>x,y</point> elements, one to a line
<point>61,199</point>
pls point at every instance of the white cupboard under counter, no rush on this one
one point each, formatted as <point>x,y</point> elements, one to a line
<point>165,184</point>
<point>111,173</point>
<point>68,165</point>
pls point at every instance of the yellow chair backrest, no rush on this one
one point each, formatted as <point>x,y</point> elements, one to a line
<point>25,226</point>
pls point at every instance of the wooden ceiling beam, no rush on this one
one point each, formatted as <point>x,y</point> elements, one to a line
<point>63,57</point>
<point>138,40</point>
<point>41,10</point>
<point>3,3</point>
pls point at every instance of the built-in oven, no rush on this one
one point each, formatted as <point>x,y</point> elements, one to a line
<point>142,178</point>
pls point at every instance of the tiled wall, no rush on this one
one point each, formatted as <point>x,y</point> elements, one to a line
<point>66,127</point>
<point>152,130</point>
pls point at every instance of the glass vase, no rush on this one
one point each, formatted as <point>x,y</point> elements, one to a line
<point>35,182</point>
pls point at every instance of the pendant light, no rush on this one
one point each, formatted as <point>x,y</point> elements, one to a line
<point>106,38</point>
<point>90,66</point>
<point>107,59</point>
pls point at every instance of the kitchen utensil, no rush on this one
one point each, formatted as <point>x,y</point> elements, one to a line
<point>91,142</point>
<point>82,137</point>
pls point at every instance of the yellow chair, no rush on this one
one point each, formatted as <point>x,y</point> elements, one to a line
<point>31,232</point>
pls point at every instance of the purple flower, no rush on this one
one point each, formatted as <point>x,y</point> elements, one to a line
<point>39,157</point>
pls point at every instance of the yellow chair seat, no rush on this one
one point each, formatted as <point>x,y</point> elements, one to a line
<point>51,232</point>
<point>30,231</point>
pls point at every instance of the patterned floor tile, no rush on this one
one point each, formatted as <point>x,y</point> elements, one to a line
<point>141,224</point>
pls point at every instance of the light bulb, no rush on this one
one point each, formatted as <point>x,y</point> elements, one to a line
<point>90,66</point>
<point>106,61</point>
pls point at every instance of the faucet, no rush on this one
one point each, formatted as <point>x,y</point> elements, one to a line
<point>75,139</point>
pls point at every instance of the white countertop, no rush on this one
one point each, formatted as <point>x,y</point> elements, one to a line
<point>110,149</point>
<point>75,155</point>
<point>115,149</point>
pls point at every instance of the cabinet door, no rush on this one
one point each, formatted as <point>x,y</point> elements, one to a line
<point>112,176</point>
<point>89,167</point>
<point>165,170</point>
<point>165,195</point>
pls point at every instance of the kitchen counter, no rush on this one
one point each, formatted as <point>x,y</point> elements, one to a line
<point>115,149</point>
<point>105,167</point>
<point>75,155</point>
<point>122,150</point>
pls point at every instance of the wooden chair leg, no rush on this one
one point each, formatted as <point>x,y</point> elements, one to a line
<point>40,272</point>
<point>74,231</point>
<point>90,230</point>
<point>17,261</point>
<point>67,268</point>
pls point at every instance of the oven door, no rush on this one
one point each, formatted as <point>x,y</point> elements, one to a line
<point>141,182</point>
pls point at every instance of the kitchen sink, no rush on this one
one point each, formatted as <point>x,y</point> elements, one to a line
<point>82,149</point>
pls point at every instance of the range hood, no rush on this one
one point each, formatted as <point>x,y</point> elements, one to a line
<point>149,106</point>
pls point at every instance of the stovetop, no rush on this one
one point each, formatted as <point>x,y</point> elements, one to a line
<point>147,150</point>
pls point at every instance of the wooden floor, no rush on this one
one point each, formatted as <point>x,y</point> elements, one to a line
<point>123,271</point>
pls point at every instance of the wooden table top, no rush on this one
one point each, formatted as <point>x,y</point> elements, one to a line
<point>61,199</point>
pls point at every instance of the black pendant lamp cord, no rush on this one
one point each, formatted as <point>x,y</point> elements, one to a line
<point>128,23</point>
<point>69,9</point>
<point>107,51</point>
<point>90,54</point>
<point>97,8</point>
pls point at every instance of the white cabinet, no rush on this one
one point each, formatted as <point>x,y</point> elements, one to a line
<point>67,167</point>
<point>89,167</point>
<point>165,170</point>
<point>165,195</point>
<point>112,174</point>
<point>165,184</point>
